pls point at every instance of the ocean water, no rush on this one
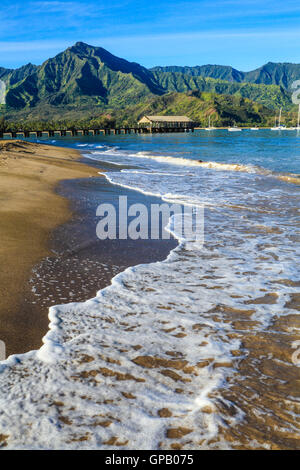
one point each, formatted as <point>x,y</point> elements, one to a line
<point>191,352</point>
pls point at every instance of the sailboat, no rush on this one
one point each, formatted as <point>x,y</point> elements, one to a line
<point>209,128</point>
<point>234,129</point>
<point>275,128</point>
<point>279,127</point>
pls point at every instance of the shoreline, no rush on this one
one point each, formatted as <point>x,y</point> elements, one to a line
<point>83,265</point>
<point>50,248</point>
<point>31,209</point>
<point>108,352</point>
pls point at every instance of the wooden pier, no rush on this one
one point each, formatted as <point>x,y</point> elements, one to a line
<point>48,134</point>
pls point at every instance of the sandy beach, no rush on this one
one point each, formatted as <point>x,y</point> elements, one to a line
<point>199,345</point>
<point>30,210</point>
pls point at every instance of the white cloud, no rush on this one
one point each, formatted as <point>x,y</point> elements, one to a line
<point>11,46</point>
<point>32,45</point>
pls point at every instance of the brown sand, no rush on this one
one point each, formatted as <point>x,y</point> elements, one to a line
<point>30,209</point>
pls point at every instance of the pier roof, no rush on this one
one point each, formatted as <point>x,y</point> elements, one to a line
<point>165,119</point>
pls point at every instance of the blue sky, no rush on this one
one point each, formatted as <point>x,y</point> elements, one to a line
<point>244,34</point>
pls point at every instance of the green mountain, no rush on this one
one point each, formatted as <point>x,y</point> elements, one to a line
<point>275,74</point>
<point>4,72</point>
<point>11,77</point>
<point>86,81</point>
<point>272,96</point>
<point>80,75</point>
<point>224,110</point>
<point>281,74</point>
<point>222,72</point>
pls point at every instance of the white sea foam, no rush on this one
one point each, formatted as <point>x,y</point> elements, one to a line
<point>196,163</point>
<point>191,163</point>
<point>158,338</point>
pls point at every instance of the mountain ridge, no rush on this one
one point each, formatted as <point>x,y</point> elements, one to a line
<point>275,73</point>
<point>88,77</point>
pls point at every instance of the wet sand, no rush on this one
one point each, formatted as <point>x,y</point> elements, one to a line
<point>81,264</point>
<point>30,209</point>
<point>49,251</point>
